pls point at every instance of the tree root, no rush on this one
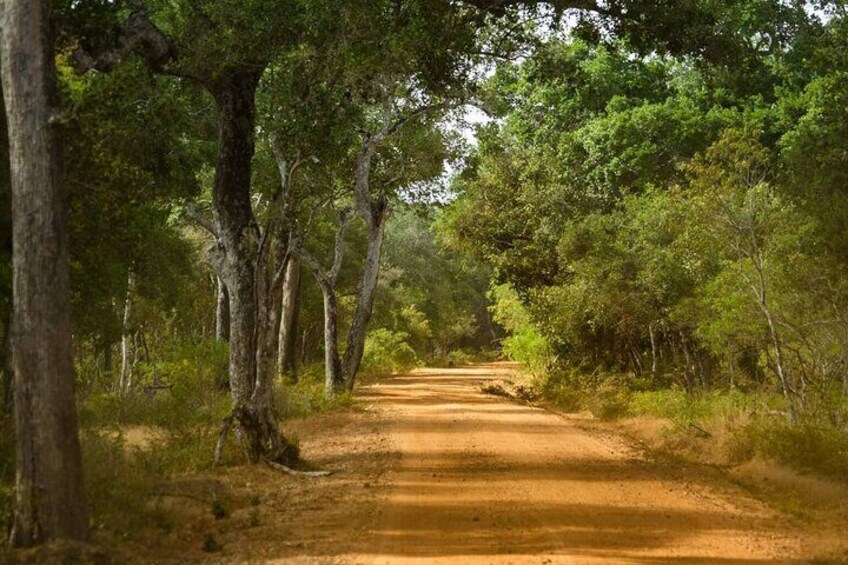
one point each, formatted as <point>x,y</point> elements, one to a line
<point>295,472</point>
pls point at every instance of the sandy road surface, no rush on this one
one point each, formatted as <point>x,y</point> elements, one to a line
<point>427,469</point>
<point>482,480</point>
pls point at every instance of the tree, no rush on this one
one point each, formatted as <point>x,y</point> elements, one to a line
<point>50,501</point>
<point>203,47</point>
<point>740,210</point>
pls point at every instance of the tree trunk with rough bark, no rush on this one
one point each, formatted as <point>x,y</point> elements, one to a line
<point>238,235</point>
<point>776,342</point>
<point>49,494</point>
<point>288,319</point>
<point>269,294</point>
<point>654,356</point>
<point>222,313</point>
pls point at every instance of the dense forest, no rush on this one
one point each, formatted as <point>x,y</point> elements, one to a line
<point>217,216</point>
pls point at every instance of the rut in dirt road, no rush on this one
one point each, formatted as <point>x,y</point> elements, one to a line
<point>482,480</point>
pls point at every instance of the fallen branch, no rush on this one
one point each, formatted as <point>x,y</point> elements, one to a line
<point>296,473</point>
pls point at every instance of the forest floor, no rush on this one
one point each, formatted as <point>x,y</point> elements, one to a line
<point>426,468</point>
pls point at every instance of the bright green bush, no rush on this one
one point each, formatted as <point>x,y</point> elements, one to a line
<point>524,343</point>
<point>387,352</point>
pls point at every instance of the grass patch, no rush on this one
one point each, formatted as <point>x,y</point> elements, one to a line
<point>307,396</point>
<point>720,427</point>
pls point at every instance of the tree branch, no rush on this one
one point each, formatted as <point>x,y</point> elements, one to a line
<point>139,35</point>
<point>344,216</point>
<point>362,174</point>
<point>195,214</point>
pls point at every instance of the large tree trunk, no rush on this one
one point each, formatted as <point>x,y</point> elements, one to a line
<point>269,290</point>
<point>365,303</point>
<point>234,92</point>
<point>288,320</point>
<point>222,313</point>
<point>49,495</point>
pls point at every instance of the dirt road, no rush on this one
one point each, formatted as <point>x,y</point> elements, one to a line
<point>435,471</point>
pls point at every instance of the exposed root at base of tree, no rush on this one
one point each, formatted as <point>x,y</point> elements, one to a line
<point>295,472</point>
<point>261,438</point>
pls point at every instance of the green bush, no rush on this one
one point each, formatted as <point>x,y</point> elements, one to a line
<point>387,352</point>
<point>524,344</point>
<point>461,357</point>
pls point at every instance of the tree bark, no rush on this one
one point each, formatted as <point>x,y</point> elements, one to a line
<point>238,234</point>
<point>334,380</point>
<point>49,495</point>
<point>269,292</point>
<point>776,343</point>
<point>687,373</point>
<point>365,304</point>
<point>653,350</point>
<point>288,319</point>
<point>222,313</point>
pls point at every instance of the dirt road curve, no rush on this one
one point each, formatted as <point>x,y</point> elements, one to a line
<point>482,480</point>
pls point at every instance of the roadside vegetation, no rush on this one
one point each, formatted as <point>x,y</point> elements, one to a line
<point>668,239</point>
<point>253,206</point>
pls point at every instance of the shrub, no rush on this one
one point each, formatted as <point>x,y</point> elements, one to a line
<point>308,396</point>
<point>387,352</point>
<point>184,390</point>
<point>805,447</point>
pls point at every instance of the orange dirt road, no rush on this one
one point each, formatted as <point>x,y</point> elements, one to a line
<point>473,479</point>
<point>483,480</point>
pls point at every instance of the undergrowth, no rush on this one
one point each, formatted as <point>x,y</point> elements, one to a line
<point>721,426</point>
